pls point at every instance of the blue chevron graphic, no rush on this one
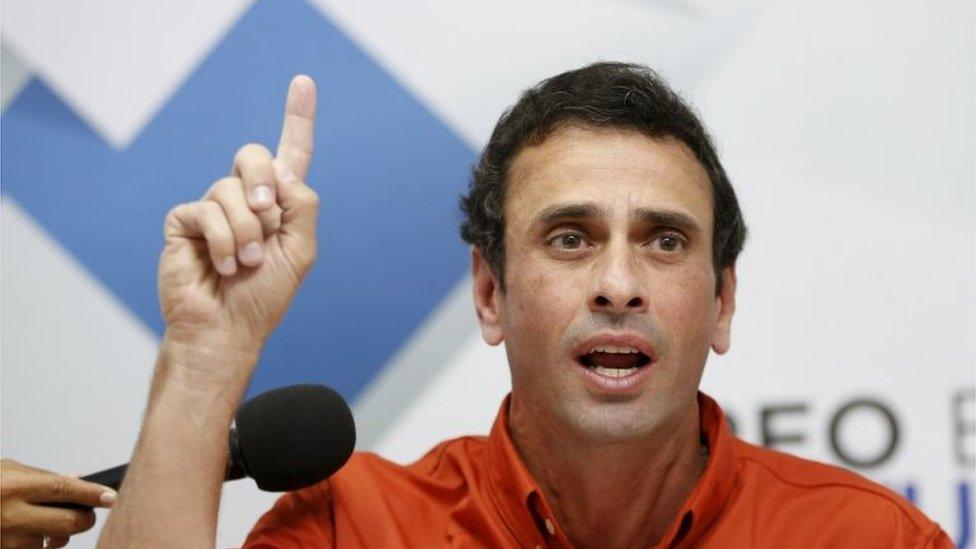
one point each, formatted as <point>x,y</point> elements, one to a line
<point>387,170</point>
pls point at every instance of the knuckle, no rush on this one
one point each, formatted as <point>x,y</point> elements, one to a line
<point>309,197</point>
<point>170,215</point>
<point>172,224</point>
<point>173,214</point>
<point>60,486</point>
<point>211,221</point>
<point>14,483</point>
<point>211,209</point>
<point>225,186</point>
<point>251,151</point>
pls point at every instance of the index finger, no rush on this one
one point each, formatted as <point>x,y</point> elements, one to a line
<point>295,146</point>
<point>54,488</point>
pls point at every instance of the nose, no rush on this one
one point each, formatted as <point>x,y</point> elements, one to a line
<point>618,285</point>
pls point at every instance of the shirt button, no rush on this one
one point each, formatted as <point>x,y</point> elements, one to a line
<point>538,547</point>
<point>550,527</point>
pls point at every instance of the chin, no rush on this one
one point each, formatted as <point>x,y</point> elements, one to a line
<point>612,422</point>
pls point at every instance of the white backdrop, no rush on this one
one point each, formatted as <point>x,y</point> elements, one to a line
<point>846,127</point>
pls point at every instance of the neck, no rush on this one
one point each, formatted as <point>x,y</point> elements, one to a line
<point>624,494</point>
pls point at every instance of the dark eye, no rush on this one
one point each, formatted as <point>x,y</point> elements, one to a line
<point>669,242</point>
<point>567,241</point>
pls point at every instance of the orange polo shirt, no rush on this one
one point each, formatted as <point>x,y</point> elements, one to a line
<point>477,492</point>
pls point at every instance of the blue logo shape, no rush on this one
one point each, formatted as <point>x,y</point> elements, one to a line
<point>388,173</point>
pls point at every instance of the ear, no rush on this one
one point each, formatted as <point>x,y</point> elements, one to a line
<point>487,297</point>
<point>724,307</point>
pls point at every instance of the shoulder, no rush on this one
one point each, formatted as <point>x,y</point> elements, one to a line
<point>838,503</point>
<point>448,462</point>
<point>368,491</point>
<point>371,481</point>
<point>798,477</point>
<point>301,518</point>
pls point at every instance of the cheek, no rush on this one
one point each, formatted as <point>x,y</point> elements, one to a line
<point>541,302</point>
<point>687,307</point>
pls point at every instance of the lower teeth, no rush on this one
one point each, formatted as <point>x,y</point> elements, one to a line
<point>614,372</point>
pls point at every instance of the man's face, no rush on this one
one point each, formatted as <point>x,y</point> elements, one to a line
<point>610,306</point>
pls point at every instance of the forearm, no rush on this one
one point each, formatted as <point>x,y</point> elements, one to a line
<point>171,491</point>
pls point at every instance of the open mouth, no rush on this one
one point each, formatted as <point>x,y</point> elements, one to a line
<point>614,361</point>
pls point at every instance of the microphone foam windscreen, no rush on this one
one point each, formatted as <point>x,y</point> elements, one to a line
<point>295,436</point>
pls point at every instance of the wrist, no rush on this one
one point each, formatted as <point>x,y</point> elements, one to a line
<point>213,371</point>
<point>220,343</point>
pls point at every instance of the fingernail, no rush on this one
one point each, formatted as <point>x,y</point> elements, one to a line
<point>227,266</point>
<point>283,172</point>
<point>261,196</point>
<point>107,497</point>
<point>251,253</point>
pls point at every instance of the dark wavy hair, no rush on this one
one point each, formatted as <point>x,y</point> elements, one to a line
<point>614,95</point>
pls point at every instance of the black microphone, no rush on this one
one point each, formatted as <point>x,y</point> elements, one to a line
<point>285,439</point>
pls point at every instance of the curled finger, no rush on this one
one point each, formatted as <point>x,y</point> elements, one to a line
<point>58,522</point>
<point>244,223</point>
<point>252,165</point>
<point>206,220</point>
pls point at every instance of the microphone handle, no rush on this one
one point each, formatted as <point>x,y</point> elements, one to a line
<point>113,477</point>
<point>109,477</point>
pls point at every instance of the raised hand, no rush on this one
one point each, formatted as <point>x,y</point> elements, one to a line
<point>231,265</point>
<point>234,259</point>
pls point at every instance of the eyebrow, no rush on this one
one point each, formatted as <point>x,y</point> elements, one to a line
<point>586,210</point>
<point>681,221</point>
<point>569,211</point>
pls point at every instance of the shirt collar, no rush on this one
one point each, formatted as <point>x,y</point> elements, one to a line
<point>704,505</point>
<point>512,489</point>
<point>519,500</point>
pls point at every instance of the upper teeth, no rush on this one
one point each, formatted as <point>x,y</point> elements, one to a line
<point>614,349</point>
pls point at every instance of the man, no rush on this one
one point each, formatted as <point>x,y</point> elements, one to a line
<point>604,236</point>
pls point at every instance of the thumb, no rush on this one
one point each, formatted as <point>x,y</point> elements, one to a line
<point>299,203</point>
